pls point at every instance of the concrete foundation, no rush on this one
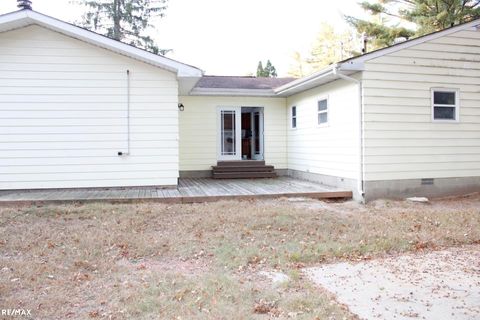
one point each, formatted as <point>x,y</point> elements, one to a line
<point>430,188</point>
<point>388,189</point>
<point>196,174</point>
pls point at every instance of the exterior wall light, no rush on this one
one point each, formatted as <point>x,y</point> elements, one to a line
<point>181,107</point>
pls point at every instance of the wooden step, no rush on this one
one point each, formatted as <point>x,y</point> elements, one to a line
<point>243,175</point>
<point>243,168</point>
<point>237,163</point>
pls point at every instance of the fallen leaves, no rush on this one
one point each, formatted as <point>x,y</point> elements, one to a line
<point>181,294</point>
<point>80,277</point>
<point>97,247</point>
<point>265,307</point>
<point>123,249</point>
<point>142,266</point>
<point>94,314</point>
<point>422,245</point>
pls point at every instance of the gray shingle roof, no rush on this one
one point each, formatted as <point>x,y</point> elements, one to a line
<point>235,82</point>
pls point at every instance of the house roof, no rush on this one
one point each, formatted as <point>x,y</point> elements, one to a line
<point>238,85</point>
<point>187,74</point>
<point>190,78</point>
<point>247,82</point>
<point>356,64</point>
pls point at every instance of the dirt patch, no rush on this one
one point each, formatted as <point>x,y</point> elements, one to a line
<point>187,268</point>
<point>337,207</point>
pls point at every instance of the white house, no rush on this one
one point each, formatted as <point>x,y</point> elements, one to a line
<point>80,110</point>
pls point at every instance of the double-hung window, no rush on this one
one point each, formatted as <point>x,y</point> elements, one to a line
<point>322,112</point>
<point>445,105</point>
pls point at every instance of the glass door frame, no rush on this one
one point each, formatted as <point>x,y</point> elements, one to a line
<point>258,134</point>
<point>237,153</point>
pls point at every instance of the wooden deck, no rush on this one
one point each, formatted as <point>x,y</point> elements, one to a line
<point>188,191</point>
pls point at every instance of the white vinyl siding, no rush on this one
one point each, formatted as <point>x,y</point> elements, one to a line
<point>63,115</point>
<point>330,150</point>
<point>401,140</point>
<point>198,130</point>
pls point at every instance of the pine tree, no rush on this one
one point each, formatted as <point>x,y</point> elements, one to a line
<point>379,33</point>
<point>124,20</point>
<point>260,70</point>
<point>268,72</point>
<point>426,15</point>
<point>432,15</point>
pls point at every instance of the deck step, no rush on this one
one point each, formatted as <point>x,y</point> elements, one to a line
<point>243,168</point>
<point>238,163</point>
<point>243,175</point>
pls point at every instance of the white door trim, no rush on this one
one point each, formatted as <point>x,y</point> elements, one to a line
<point>260,133</point>
<point>237,153</point>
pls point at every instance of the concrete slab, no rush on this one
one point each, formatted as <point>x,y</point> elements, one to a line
<point>437,285</point>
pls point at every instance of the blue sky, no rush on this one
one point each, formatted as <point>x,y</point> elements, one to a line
<point>229,37</point>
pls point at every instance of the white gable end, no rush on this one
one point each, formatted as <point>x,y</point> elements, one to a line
<point>68,108</point>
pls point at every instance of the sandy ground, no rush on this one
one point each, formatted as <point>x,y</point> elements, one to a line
<point>241,260</point>
<point>436,285</point>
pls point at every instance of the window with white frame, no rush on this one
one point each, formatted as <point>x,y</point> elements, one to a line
<point>445,104</point>
<point>322,110</point>
<point>294,117</point>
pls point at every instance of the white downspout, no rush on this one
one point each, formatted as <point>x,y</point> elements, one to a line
<point>122,153</point>
<point>360,113</point>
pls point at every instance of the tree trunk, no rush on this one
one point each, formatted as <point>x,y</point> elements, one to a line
<point>117,16</point>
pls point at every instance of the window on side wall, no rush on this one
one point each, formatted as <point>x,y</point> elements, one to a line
<point>445,105</point>
<point>294,117</point>
<point>322,110</point>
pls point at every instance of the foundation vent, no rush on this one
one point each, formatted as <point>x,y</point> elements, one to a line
<point>427,181</point>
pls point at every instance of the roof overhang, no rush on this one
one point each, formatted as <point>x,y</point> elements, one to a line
<point>316,79</point>
<point>356,64</point>
<point>233,92</point>
<point>472,25</point>
<point>186,74</point>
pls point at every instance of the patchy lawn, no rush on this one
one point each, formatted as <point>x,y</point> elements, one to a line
<point>202,261</point>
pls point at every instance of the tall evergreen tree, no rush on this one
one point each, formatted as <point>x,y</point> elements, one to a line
<point>426,15</point>
<point>124,20</point>
<point>270,70</point>
<point>260,70</point>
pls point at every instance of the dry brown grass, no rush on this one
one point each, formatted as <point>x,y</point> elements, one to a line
<point>201,261</point>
